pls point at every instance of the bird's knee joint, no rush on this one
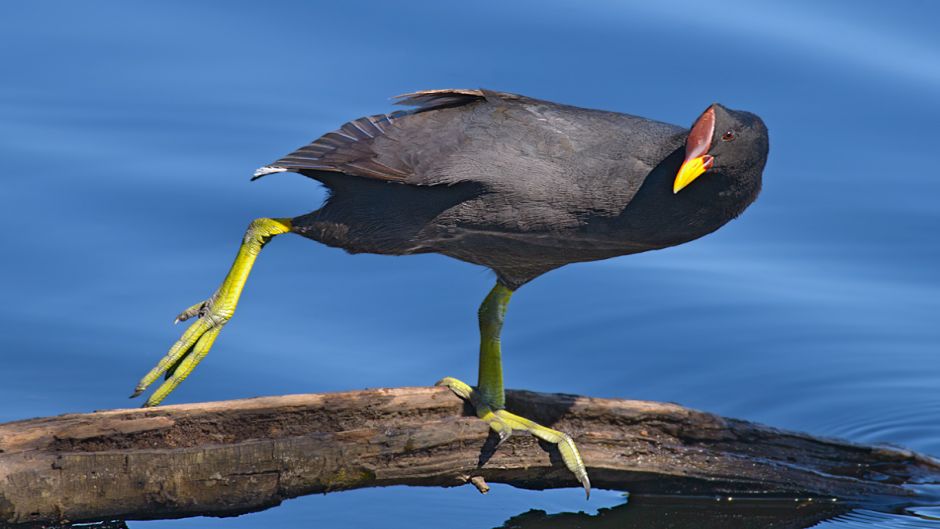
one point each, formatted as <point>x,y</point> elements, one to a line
<point>257,224</point>
<point>261,230</point>
<point>267,226</point>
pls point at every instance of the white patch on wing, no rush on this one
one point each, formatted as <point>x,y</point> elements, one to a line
<point>268,169</point>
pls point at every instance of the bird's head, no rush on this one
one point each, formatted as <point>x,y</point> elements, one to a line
<point>723,140</point>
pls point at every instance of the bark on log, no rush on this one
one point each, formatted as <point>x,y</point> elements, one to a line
<point>227,458</point>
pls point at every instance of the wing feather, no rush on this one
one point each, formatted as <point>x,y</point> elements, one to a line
<point>351,149</point>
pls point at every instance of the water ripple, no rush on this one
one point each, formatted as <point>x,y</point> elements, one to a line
<point>867,519</point>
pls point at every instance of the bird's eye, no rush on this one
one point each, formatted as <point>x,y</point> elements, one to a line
<point>728,135</point>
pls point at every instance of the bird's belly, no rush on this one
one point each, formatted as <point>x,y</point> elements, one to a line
<point>499,249</point>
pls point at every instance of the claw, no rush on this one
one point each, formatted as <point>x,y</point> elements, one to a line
<point>572,458</point>
<point>504,435</point>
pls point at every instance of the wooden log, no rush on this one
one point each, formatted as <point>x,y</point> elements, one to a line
<point>227,458</point>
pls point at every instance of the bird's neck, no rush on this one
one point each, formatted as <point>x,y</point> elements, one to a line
<point>658,217</point>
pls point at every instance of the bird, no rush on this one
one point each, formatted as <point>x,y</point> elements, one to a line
<point>520,185</point>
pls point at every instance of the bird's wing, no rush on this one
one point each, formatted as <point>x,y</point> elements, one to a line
<point>378,147</point>
<point>534,153</point>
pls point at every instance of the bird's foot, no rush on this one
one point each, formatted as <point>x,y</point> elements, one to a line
<point>211,315</point>
<point>504,423</point>
<point>189,350</point>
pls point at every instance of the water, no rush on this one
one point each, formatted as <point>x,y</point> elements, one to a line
<point>129,132</point>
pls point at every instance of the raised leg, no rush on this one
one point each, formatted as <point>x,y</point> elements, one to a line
<point>489,397</point>
<point>212,314</point>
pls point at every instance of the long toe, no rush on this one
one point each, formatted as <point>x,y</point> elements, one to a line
<point>566,447</point>
<point>188,351</point>
<point>504,423</point>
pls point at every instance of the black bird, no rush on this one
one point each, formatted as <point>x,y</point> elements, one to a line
<point>520,185</point>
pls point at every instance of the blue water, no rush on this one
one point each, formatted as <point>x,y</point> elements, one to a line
<point>128,132</point>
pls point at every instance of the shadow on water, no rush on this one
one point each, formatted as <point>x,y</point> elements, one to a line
<point>653,512</point>
<point>659,512</point>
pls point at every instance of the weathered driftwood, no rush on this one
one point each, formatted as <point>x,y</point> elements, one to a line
<point>225,458</point>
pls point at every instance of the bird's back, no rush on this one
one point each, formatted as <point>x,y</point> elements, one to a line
<point>494,173</point>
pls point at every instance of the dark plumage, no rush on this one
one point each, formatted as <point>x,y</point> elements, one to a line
<point>520,185</point>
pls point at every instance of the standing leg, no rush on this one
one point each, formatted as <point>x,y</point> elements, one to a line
<point>211,314</point>
<point>489,398</point>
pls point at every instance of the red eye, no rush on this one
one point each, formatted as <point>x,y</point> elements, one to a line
<point>728,136</point>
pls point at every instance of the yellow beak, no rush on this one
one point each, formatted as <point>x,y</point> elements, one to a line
<point>690,170</point>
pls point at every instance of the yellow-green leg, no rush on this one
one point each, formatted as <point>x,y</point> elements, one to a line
<point>489,397</point>
<point>211,314</point>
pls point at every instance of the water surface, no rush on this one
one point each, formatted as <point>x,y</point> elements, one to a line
<point>129,132</point>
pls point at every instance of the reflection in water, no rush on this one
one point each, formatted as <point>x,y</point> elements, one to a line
<point>699,513</point>
<point>707,513</point>
<point>664,512</point>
